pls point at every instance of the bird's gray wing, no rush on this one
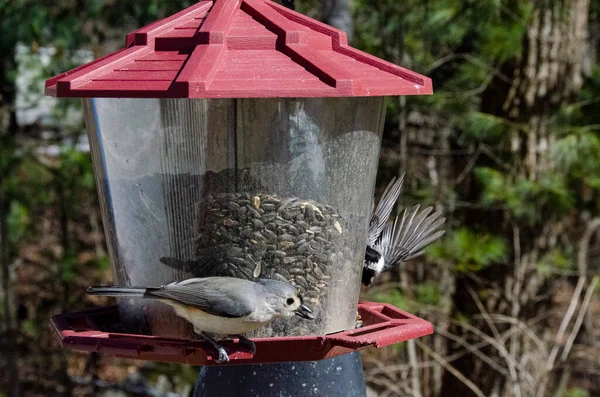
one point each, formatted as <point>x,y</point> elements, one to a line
<point>219,296</point>
<point>407,236</point>
<point>384,208</point>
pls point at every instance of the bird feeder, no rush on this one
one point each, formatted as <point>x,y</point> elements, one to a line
<point>237,138</point>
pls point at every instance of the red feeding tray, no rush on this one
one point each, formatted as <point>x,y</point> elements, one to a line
<point>384,325</point>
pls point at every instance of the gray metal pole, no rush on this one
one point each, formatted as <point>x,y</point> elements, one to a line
<point>333,377</point>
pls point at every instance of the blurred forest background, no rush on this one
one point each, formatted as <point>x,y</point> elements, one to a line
<point>508,147</point>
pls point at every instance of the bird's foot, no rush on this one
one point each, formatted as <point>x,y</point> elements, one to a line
<point>223,357</point>
<point>247,342</point>
<point>359,322</point>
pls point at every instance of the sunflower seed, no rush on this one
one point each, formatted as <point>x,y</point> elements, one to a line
<point>301,281</point>
<point>253,212</point>
<point>234,252</point>
<point>338,227</point>
<point>279,277</point>
<point>299,243</point>
<point>286,237</point>
<point>257,236</point>
<point>279,254</point>
<point>245,272</point>
<point>257,270</point>
<point>240,262</point>
<point>229,222</point>
<point>270,235</point>
<point>285,245</point>
<point>268,207</point>
<point>311,279</point>
<point>269,217</point>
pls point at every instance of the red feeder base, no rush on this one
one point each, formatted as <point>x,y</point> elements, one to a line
<point>384,325</point>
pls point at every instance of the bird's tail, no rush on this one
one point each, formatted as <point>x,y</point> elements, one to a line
<point>127,292</point>
<point>409,234</point>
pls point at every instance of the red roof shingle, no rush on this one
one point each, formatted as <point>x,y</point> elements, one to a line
<point>237,49</point>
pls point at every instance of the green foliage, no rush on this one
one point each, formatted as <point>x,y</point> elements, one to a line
<point>18,221</point>
<point>428,293</point>
<point>578,152</point>
<point>576,392</point>
<point>484,127</point>
<point>528,200</point>
<point>468,251</point>
<point>76,168</point>
<point>102,263</point>
<point>31,328</point>
<point>554,259</point>
<point>393,296</point>
<point>68,267</point>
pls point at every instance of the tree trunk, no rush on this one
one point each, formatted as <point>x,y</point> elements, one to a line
<point>338,13</point>
<point>545,75</point>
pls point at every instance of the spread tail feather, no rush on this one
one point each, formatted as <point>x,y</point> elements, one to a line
<point>407,236</point>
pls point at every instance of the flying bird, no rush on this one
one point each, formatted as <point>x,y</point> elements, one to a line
<point>389,243</point>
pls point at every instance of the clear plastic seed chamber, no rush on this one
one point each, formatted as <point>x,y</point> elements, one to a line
<point>248,188</point>
<point>237,138</point>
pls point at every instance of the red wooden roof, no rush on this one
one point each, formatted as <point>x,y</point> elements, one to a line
<point>235,49</point>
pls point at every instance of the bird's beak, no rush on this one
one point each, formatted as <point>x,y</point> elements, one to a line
<point>305,312</point>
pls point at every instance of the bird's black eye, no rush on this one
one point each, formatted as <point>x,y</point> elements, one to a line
<point>289,301</point>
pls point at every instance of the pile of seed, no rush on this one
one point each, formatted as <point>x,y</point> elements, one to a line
<point>263,236</point>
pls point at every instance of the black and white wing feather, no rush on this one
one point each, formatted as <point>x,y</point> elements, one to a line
<point>384,208</point>
<point>409,234</point>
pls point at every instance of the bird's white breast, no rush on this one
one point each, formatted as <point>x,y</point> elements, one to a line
<point>378,266</point>
<point>205,322</point>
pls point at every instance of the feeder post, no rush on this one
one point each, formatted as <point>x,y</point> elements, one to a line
<point>334,377</point>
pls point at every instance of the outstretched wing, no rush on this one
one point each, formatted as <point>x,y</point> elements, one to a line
<point>384,208</point>
<point>220,296</point>
<point>407,236</point>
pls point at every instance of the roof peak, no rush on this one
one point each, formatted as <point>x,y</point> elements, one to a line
<point>238,48</point>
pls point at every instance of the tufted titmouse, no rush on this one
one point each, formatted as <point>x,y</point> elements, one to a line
<point>401,240</point>
<point>222,305</point>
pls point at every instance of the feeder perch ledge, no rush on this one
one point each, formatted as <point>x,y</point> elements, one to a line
<point>384,325</point>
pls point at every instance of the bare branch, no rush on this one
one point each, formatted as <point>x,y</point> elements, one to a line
<point>564,323</point>
<point>469,166</point>
<point>412,358</point>
<point>584,243</point>
<point>582,312</point>
<point>471,348</point>
<point>450,368</point>
<point>510,358</point>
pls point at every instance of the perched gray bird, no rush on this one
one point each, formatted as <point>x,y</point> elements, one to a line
<point>401,240</point>
<point>222,305</point>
